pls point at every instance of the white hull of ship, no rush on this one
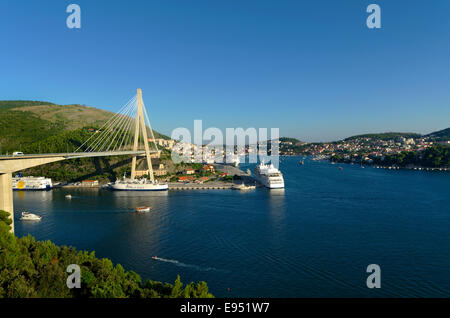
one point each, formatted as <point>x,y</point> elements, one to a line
<point>34,188</point>
<point>265,182</point>
<point>139,187</point>
<point>31,183</point>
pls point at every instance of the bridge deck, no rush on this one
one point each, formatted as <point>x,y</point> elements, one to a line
<point>72,155</point>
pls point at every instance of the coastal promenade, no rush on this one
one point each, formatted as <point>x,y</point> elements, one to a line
<point>412,168</point>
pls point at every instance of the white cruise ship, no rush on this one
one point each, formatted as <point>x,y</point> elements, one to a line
<point>138,185</point>
<point>269,176</point>
<point>31,183</point>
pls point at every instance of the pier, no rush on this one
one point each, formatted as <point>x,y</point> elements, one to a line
<point>207,186</point>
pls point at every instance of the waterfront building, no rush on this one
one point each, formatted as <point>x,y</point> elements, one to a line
<point>89,183</point>
<point>185,178</point>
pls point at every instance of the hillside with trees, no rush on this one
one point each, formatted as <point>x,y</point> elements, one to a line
<point>432,157</point>
<point>440,135</point>
<point>26,122</point>
<point>385,136</point>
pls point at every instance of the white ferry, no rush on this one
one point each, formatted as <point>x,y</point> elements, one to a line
<point>31,183</point>
<point>138,185</point>
<point>269,176</point>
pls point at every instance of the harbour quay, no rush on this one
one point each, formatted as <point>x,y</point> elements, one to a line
<point>195,186</point>
<point>217,185</point>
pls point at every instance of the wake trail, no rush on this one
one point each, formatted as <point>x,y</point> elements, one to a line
<point>178,263</point>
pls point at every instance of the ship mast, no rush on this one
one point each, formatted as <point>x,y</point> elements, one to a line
<point>140,123</point>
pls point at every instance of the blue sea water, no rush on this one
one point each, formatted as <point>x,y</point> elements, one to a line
<point>313,239</point>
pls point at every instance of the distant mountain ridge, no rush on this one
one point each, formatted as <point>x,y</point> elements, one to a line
<point>443,134</point>
<point>294,141</point>
<point>386,135</point>
<point>8,104</point>
<point>25,122</point>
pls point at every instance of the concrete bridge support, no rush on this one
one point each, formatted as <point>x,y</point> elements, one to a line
<point>6,196</point>
<point>7,168</point>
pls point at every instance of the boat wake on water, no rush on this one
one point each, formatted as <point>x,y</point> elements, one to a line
<point>178,263</point>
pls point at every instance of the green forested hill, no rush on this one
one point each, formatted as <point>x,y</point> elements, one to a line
<point>386,136</point>
<point>7,104</point>
<point>289,139</point>
<point>25,122</point>
<point>443,134</point>
<point>101,168</point>
<point>20,128</point>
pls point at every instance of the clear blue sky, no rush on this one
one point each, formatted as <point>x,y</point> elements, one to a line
<point>311,68</point>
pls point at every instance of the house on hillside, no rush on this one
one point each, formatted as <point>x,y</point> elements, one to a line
<point>209,168</point>
<point>189,171</point>
<point>185,178</point>
<point>203,179</point>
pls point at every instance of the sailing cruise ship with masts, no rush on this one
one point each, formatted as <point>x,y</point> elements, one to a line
<point>144,184</point>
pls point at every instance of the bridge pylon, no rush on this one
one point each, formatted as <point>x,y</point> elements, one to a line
<point>140,125</point>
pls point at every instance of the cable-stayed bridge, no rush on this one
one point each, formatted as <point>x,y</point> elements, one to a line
<point>125,133</point>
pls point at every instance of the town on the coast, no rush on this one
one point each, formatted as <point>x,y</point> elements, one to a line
<point>382,150</point>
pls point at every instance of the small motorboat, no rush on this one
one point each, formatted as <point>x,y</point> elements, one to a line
<point>143,209</point>
<point>68,196</point>
<point>27,216</point>
<point>154,257</point>
<point>243,187</point>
